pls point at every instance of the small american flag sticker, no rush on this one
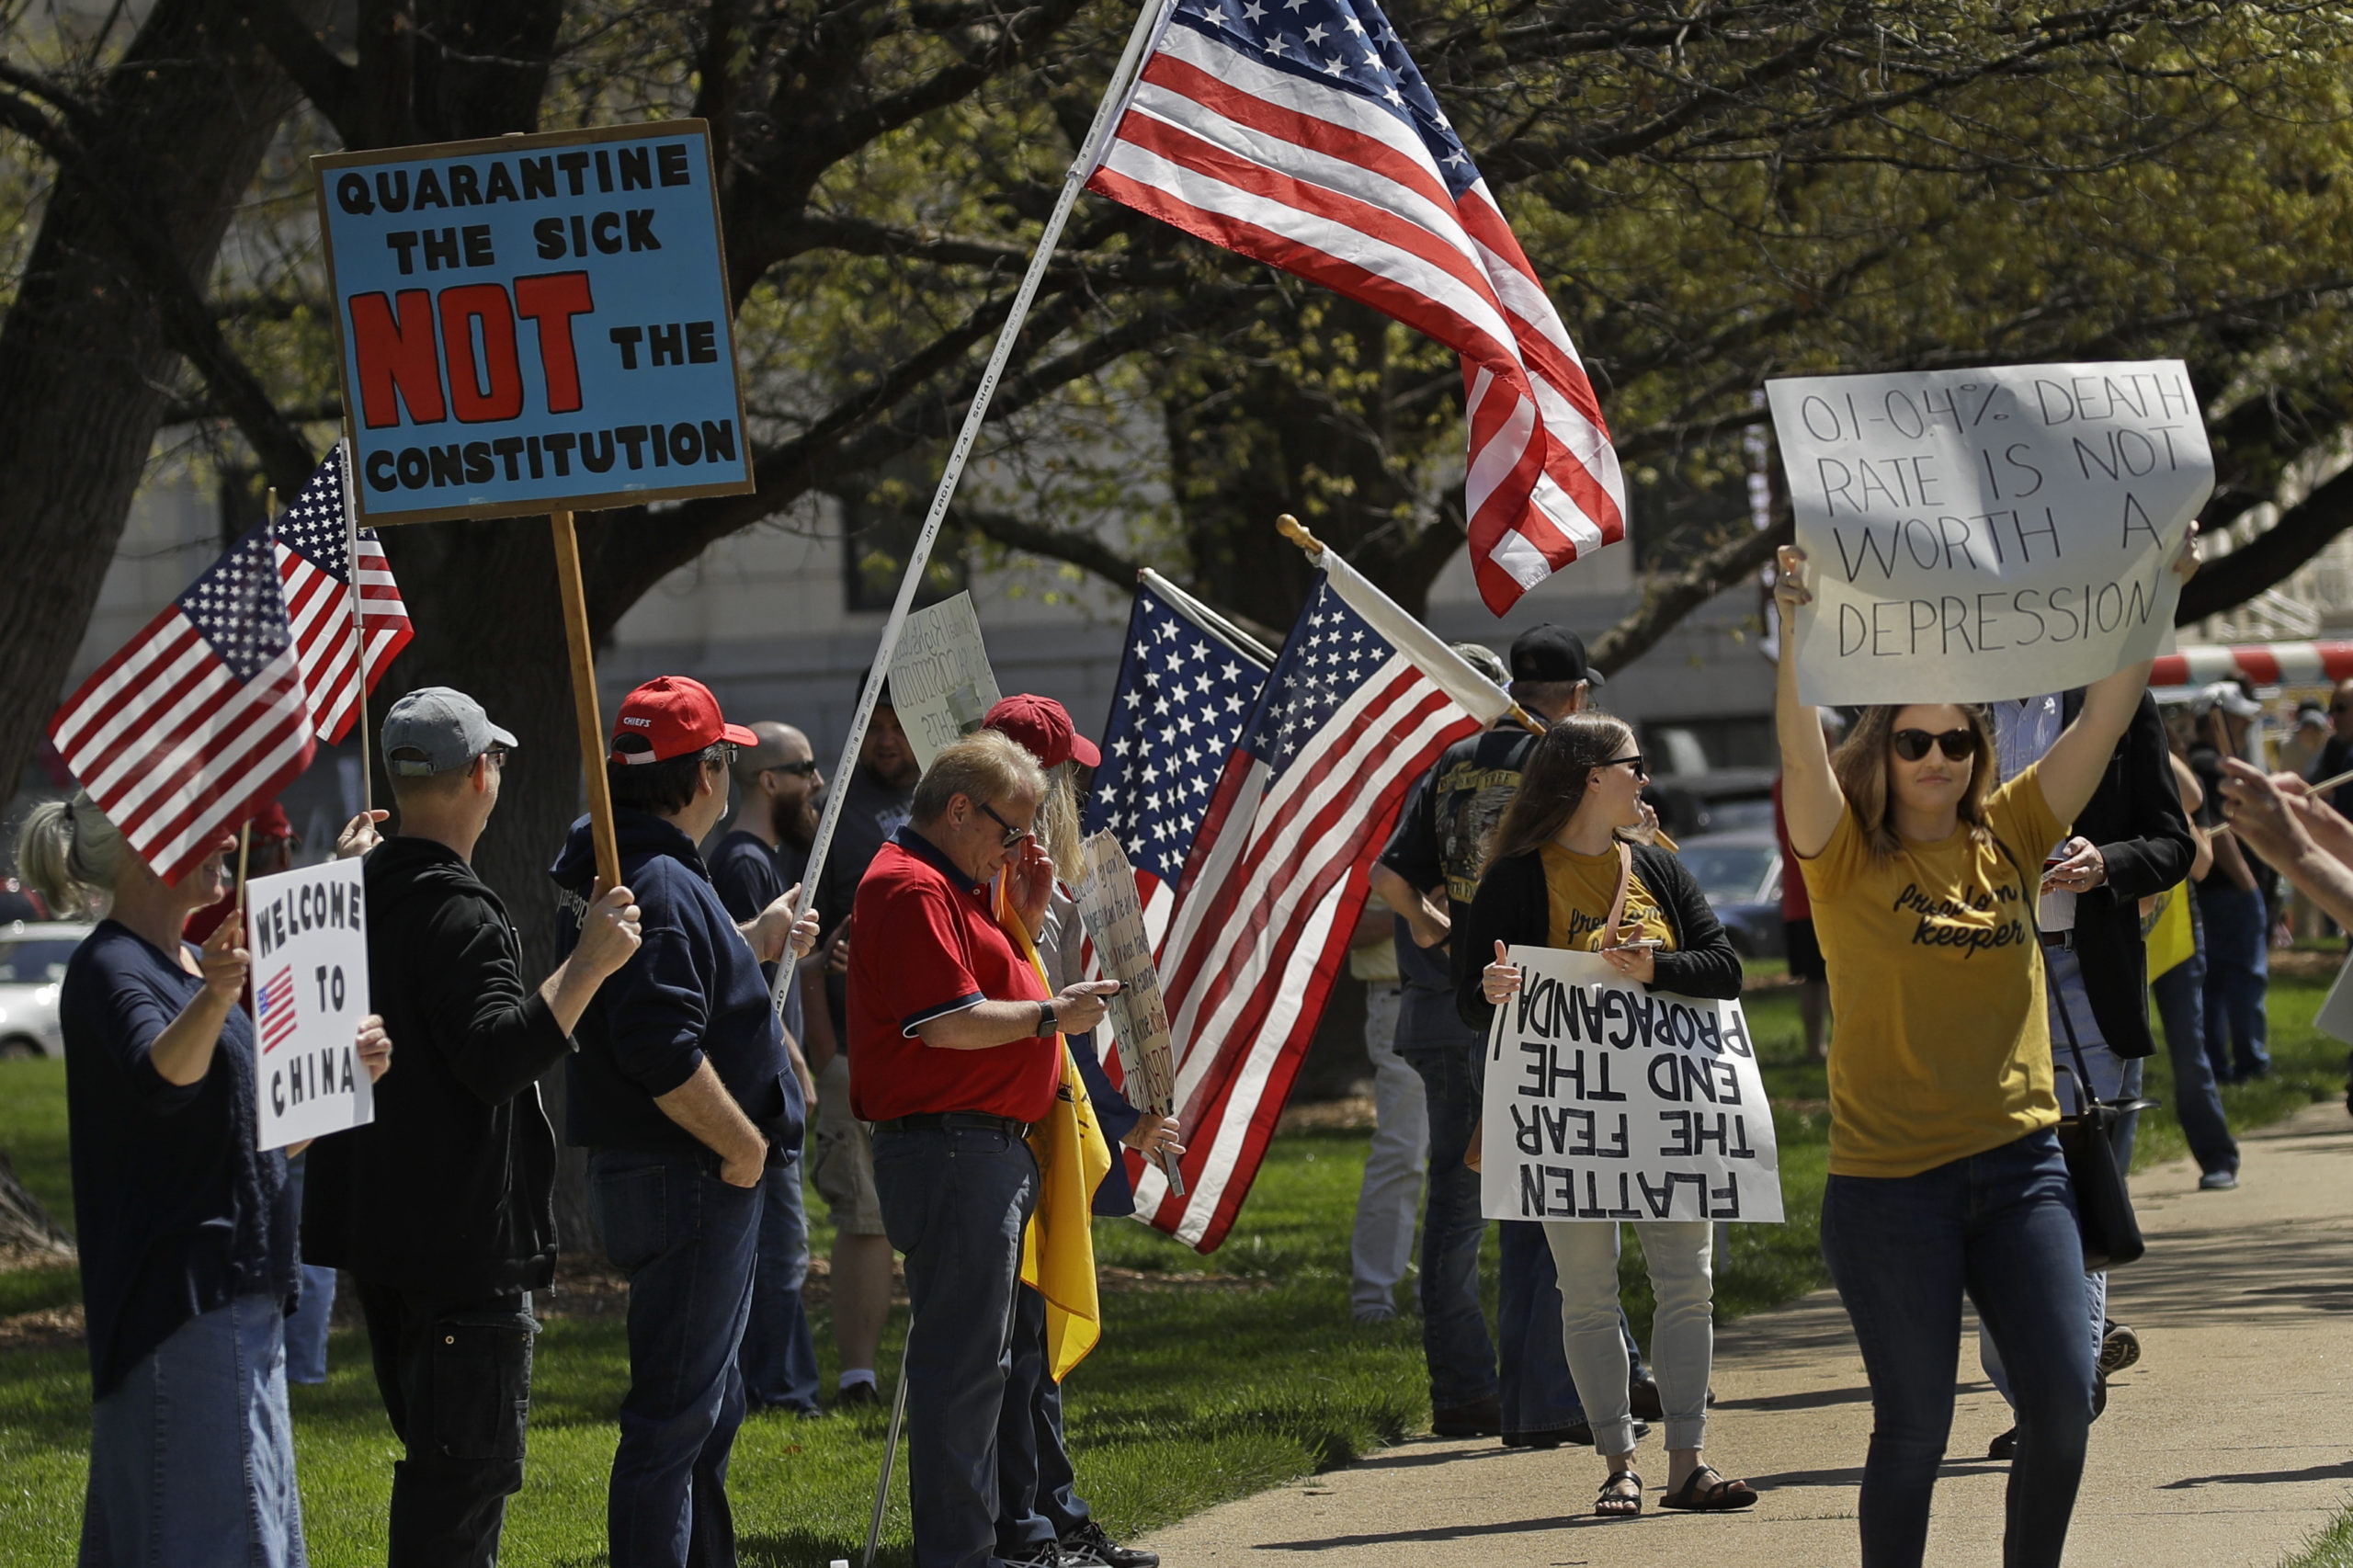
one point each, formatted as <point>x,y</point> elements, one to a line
<point>273,1009</point>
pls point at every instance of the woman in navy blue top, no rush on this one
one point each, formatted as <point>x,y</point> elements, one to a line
<point>186,1231</point>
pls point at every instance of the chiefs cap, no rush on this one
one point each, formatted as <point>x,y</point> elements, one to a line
<point>1041,727</point>
<point>678,716</point>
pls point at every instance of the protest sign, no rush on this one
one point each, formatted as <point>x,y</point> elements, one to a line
<point>1113,916</point>
<point>307,933</point>
<point>1606,1101</point>
<point>1974,534</point>
<point>534,323</point>
<point>941,686</point>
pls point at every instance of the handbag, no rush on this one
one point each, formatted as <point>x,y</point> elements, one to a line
<point>2104,1217</point>
<point>1608,940</point>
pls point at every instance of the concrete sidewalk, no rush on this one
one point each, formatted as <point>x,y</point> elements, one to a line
<point>2228,1444</point>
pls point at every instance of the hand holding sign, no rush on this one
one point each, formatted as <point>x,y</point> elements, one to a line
<point>373,1046</point>
<point>1500,979</point>
<point>610,934</point>
<point>225,961</point>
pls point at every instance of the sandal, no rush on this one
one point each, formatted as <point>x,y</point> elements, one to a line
<point>1615,1504</point>
<point>1718,1495</point>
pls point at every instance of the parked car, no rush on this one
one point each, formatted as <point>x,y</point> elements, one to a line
<point>1741,873</point>
<point>32,962</point>
<point>1722,800</point>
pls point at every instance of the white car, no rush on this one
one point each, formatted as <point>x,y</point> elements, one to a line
<point>32,962</point>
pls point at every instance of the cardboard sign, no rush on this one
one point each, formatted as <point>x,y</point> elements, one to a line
<point>307,932</point>
<point>534,323</point>
<point>1113,916</point>
<point>1604,1101</point>
<point>941,686</point>
<point>1975,535</point>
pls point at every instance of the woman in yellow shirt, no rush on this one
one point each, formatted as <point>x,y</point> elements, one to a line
<point>1944,1172</point>
<point>1551,880</point>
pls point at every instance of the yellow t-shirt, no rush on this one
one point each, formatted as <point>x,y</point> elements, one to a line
<point>1582,887</point>
<point>1943,1047</point>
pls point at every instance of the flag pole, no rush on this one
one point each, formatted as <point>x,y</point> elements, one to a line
<point>1082,167</point>
<point>359,627</point>
<point>583,704</point>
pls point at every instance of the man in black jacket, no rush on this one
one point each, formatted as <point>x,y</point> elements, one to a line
<point>443,1208</point>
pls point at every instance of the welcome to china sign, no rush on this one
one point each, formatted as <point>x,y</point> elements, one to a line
<point>534,323</point>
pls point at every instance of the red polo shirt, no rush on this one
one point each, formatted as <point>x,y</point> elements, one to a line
<point>924,944</point>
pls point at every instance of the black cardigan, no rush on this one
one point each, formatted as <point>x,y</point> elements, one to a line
<point>1515,907</point>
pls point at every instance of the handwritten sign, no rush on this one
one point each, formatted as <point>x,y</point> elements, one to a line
<point>941,686</point>
<point>1604,1101</point>
<point>533,324</point>
<point>1113,916</point>
<point>1973,535</point>
<point>307,932</point>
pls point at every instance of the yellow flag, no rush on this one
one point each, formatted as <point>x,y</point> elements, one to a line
<point>1058,1249</point>
<point>2165,930</point>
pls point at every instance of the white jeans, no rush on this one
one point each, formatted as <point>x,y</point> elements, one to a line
<point>1679,1254</point>
<point>1391,1196</point>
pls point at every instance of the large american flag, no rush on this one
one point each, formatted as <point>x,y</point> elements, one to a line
<point>314,561</point>
<point>198,719</point>
<point>1298,132</point>
<point>1273,883</point>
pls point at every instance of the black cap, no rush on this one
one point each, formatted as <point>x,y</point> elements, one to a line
<point>1549,652</point>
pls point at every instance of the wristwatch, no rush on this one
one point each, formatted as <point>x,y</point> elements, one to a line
<point>1046,1022</point>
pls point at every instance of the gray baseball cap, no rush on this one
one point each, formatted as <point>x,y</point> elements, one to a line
<point>448,727</point>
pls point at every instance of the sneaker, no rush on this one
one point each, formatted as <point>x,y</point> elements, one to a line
<point>851,1396</point>
<point>1485,1419</point>
<point>2119,1347</point>
<point>2219,1181</point>
<point>1377,1314</point>
<point>2005,1447</point>
<point>1542,1442</point>
<point>1049,1555</point>
<point>1643,1399</point>
<point>1089,1544</point>
<point>1582,1433</point>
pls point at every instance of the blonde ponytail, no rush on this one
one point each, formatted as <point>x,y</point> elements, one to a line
<point>71,852</point>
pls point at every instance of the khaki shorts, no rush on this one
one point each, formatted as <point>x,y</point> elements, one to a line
<point>841,1157</point>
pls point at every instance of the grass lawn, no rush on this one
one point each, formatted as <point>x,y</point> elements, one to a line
<point>1217,1377</point>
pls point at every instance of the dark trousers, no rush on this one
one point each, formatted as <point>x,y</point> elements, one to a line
<point>456,1380</point>
<point>2001,1227</point>
<point>1037,1496</point>
<point>955,1200</point>
<point>2238,965</point>
<point>2197,1103</point>
<point>780,1358</point>
<point>687,1242</point>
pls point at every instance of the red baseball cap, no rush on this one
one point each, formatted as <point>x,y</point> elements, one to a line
<point>1041,727</point>
<point>679,715</point>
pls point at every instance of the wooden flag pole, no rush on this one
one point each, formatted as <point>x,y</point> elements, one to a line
<point>359,627</point>
<point>244,842</point>
<point>583,700</point>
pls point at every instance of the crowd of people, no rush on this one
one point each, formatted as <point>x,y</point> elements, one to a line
<point>1976,880</point>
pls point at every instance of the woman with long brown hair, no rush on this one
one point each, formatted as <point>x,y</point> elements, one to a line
<point>1564,873</point>
<point>1944,1171</point>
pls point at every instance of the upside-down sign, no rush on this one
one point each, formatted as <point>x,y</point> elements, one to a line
<point>532,323</point>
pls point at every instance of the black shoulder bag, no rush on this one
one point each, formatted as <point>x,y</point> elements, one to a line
<point>2111,1234</point>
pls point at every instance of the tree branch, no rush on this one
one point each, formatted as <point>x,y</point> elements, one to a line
<point>324,78</point>
<point>1667,600</point>
<point>2266,560</point>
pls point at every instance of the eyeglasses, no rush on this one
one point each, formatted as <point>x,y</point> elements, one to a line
<point>496,756</point>
<point>805,769</point>
<point>1642,769</point>
<point>1957,745</point>
<point>726,758</point>
<point>1013,835</point>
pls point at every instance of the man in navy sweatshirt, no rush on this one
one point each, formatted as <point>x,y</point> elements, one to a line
<point>684,1095</point>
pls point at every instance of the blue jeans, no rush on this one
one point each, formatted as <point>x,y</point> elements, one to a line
<point>689,1243</point>
<point>306,1331</point>
<point>955,1200</point>
<point>2238,964</point>
<point>1454,1329</point>
<point>2197,1103</point>
<point>779,1358</point>
<point>2001,1227</point>
<point>192,1455</point>
<point>1036,1497</point>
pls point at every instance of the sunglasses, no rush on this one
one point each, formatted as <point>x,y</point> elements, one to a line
<point>806,768</point>
<point>1013,835</point>
<point>1642,769</point>
<point>1957,745</point>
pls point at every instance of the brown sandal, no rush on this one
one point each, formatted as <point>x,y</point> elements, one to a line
<point>1616,1505</point>
<point>1718,1496</point>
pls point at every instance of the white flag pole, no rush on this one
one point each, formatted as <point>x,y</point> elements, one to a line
<point>358,625</point>
<point>1115,95</point>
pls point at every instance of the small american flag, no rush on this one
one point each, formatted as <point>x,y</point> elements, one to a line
<point>274,1010</point>
<point>1272,887</point>
<point>314,564</point>
<point>1298,133</point>
<point>196,720</point>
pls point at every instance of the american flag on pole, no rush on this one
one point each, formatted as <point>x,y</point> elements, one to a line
<point>274,1010</point>
<point>1298,133</point>
<point>196,720</point>
<point>1272,885</point>
<point>314,561</point>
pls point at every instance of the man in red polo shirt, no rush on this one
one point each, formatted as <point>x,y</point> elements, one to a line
<point>952,1056</point>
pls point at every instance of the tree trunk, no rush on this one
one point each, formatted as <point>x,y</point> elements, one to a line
<point>86,371</point>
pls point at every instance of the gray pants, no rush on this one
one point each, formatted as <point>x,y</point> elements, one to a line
<point>1678,1253</point>
<point>1383,1242</point>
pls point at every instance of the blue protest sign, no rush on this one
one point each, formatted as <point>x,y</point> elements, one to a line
<point>534,323</point>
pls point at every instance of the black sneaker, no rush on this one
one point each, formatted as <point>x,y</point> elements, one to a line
<point>1543,1442</point>
<point>1485,1419</point>
<point>1642,1393</point>
<point>2119,1347</point>
<point>851,1396</point>
<point>1087,1544</point>
<point>1582,1433</point>
<point>2005,1447</point>
<point>1049,1555</point>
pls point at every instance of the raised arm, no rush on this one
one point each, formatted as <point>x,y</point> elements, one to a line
<point>1811,802</point>
<point>2077,760</point>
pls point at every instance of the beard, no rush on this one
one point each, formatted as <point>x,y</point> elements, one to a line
<point>795,820</point>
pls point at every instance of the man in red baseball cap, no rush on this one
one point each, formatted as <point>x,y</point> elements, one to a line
<point>1041,727</point>
<point>683,1091</point>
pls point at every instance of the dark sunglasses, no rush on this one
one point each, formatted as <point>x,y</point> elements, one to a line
<point>1957,745</point>
<point>1013,835</point>
<point>1642,769</point>
<point>806,768</point>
